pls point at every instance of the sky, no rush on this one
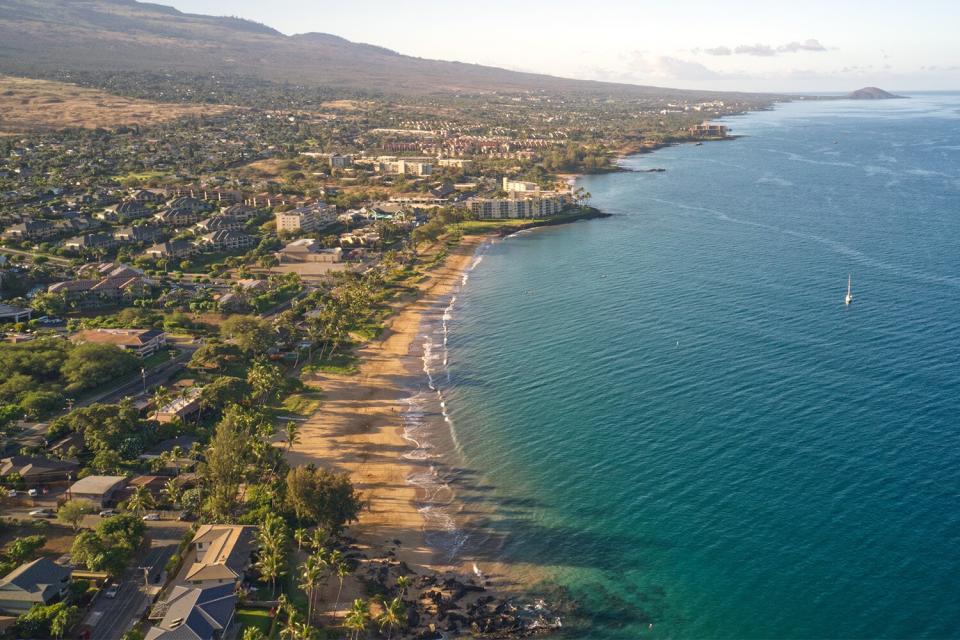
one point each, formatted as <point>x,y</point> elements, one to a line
<point>748,45</point>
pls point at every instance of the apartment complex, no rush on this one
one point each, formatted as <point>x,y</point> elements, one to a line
<point>541,206</point>
<point>309,218</point>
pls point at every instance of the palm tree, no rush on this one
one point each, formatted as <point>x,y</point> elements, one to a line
<point>403,583</point>
<point>300,535</point>
<point>394,613</point>
<point>140,500</point>
<point>317,539</point>
<point>313,570</point>
<point>292,433</point>
<point>342,570</point>
<point>358,617</point>
<point>172,491</point>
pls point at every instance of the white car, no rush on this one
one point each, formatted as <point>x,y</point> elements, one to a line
<point>111,591</point>
<point>42,513</point>
<point>106,513</point>
<point>152,516</point>
<point>12,493</point>
<point>33,493</point>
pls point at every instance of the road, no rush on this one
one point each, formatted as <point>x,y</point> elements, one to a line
<point>63,262</point>
<point>110,619</point>
<point>158,375</point>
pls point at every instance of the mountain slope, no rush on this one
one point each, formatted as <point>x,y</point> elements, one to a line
<point>123,35</point>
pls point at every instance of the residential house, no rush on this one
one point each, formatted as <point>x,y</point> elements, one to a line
<point>132,210</point>
<point>175,249</point>
<point>194,614</point>
<point>147,196</point>
<point>90,242</point>
<point>179,407</point>
<point>139,233</point>
<point>219,222</point>
<point>189,203</point>
<point>97,489</point>
<point>143,342</point>
<point>40,582</point>
<point>220,554</point>
<point>29,229</point>
<point>10,313</point>
<point>227,240</point>
<point>36,470</point>
<point>239,211</point>
<point>179,217</point>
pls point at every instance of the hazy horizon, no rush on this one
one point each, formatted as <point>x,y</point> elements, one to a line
<point>748,46</point>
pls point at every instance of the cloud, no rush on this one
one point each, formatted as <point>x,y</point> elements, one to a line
<point>644,66</point>
<point>719,51</point>
<point>810,44</point>
<point>766,50</point>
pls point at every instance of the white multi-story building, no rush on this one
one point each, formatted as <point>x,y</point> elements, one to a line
<point>309,218</point>
<point>533,207</point>
<point>519,186</point>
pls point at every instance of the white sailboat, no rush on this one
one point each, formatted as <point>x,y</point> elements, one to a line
<point>849,297</point>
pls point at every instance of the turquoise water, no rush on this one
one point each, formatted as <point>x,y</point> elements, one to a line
<point>673,410</point>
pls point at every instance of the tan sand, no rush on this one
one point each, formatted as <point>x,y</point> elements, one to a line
<point>359,430</point>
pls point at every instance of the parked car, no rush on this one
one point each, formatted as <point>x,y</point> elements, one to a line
<point>106,513</point>
<point>152,516</point>
<point>12,493</point>
<point>42,513</point>
<point>33,493</point>
<point>111,591</point>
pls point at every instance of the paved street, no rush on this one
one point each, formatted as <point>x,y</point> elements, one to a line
<point>111,618</point>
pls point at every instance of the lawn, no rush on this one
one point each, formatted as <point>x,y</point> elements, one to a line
<point>254,618</point>
<point>304,403</point>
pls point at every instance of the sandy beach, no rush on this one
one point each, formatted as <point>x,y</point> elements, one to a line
<point>359,428</point>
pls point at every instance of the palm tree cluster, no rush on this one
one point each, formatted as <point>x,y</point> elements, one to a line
<point>272,539</point>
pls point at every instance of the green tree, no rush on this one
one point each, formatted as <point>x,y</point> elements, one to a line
<point>226,460</point>
<point>310,578</point>
<point>39,404</point>
<point>319,496</point>
<point>250,333</point>
<point>266,381</point>
<point>90,365</point>
<point>291,433</point>
<point>73,511</point>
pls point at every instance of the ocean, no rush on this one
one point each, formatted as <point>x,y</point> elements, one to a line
<point>673,415</point>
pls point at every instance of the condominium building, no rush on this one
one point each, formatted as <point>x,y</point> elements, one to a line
<point>309,218</point>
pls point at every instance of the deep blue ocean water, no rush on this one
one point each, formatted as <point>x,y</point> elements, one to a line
<point>673,411</point>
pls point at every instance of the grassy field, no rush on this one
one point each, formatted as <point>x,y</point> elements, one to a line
<point>305,403</point>
<point>253,619</point>
<point>483,227</point>
<point>32,105</point>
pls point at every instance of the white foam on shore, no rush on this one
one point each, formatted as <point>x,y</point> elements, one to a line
<point>437,499</point>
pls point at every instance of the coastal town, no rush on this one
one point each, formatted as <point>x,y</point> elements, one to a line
<point>181,300</point>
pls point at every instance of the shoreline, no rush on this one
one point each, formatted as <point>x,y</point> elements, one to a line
<point>360,428</point>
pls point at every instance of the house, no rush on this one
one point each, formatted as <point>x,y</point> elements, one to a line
<point>239,211</point>
<point>252,286</point>
<point>227,240</point>
<point>90,241</point>
<point>39,582</point>
<point>216,223</point>
<point>97,489</point>
<point>153,484</point>
<point>35,470</point>
<point>139,233</point>
<point>189,204</point>
<point>132,210</point>
<point>31,230</point>
<point>145,196</point>
<point>143,342</point>
<point>194,614</point>
<point>221,554</point>
<point>10,313</point>
<point>174,249</point>
<point>179,217</point>
<point>309,218</point>
<point>308,250</point>
<point>179,407</point>
<point>338,161</point>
